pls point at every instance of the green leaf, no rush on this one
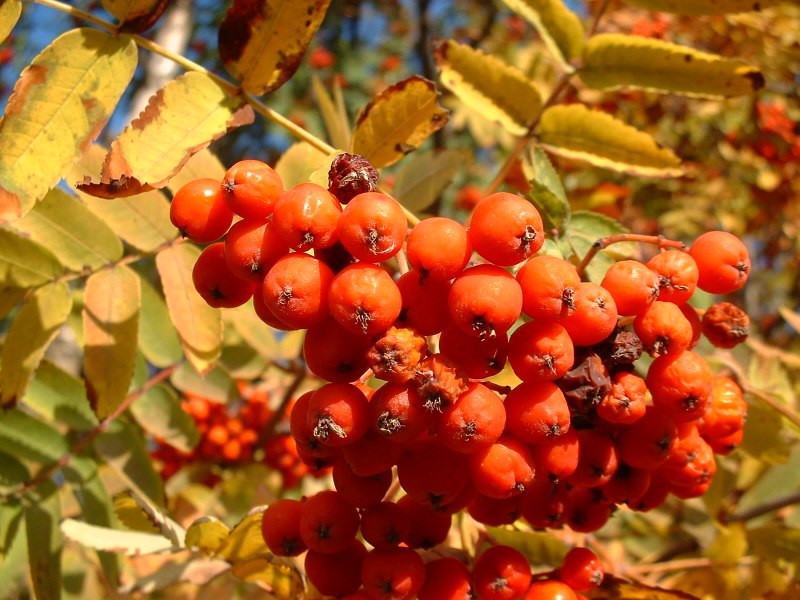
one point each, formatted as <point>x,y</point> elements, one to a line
<point>764,433</point>
<point>110,330</point>
<point>547,192</point>
<point>26,437</point>
<point>297,164</point>
<point>37,323</point>
<point>182,118</point>
<point>240,360</point>
<point>585,228</point>
<point>45,541</point>
<point>498,91</point>
<point>574,131</point>
<point>397,121</point>
<point>199,325</point>
<point>79,238</point>
<point>13,550</point>
<point>216,385</point>
<point>13,473</point>
<point>58,397</point>
<point>261,44</point>
<point>124,450</point>
<point>60,104</point>
<point>158,339</point>
<point>9,15</point>
<point>560,28</point>
<point>776,543</point>
<point>704,7</point>
<point>538,547</point>
<point>259,335</point>
<point>24,263</point>
<point>130,543</point>
<point>424,177</point>
<point>336,123</point>
<point>613,61</point>
<point>159,412</point>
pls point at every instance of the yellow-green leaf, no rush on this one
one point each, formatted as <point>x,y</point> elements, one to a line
<point>398,120</point>
<point>207,534</point>
<point>110,330</point>
<point>278,576</point>
<point>45,542</point>
<point>547,192</point>
<point>158,339</point>
<point>182,118</point>
<point>59,398</point>
<point>203,164</point>
<point>262,43</point>
<point>60,104</point>
<point>245,541</point>
<point>24,263</point>
<point>138,513</point>
<point>297,164</point>
<point>704,7</point>
<point>136,15</point>
<point>560,28</point>
<point>27,437</point>
<point>159,412</point>
<point>30,334</point>
<point>72,232</point>
<point>199,325</point>
<point>426,175</point>
<point>612,61</point>
<point>498,91</point>
<point>9,15</point>
<point>215,385</point>
<point>574,131</point>
<point>133,517</point>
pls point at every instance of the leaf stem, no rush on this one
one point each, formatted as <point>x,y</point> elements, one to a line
<point>605,242</point>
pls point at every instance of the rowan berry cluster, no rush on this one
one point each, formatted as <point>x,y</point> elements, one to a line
<point>588,428</point>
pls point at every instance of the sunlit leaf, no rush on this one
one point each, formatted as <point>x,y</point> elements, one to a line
<point>262,43</point>
<point>587,227</point>
<point>336,123</point>
<point>207,534</point>
<point>245,541</point>
<point>278,576</point>
<point>704,7</point>
<point>136,513</point>
<point>159,412</point>
<point>27,437</point>
<point>182,118</point>
<point>297,164</point>
<point>34,328</point>
<point>254,331</point>
<point>158,339</point>
<point>425,176</point>
<point>613,61</point>
<point>764,434</point>
<point>136,15</point>
<point>576,132</point>
<point>130,543</point>
<point>215,385</point>
<point>397,121</point>
<point>199,326</point>
<point>560,28</point>
<point>24,263</point>
<point>9,15</point>
<point>110,331</point>
<point>60,104</point>
<point>42,514</point>
<point>547,192</point>
<point>498,91</point>
<point>73,233</point>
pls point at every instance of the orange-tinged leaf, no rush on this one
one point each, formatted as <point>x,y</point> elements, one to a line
<point>181,119</point>
<point>199,325</point>
<point>261,42</point>
<point>398,120</point>
<point>60,104</point>
<point>110,328</point>
<point>31,332</point>
<point>136,16</point>
<point>498,91</point>
<point>9,15</point>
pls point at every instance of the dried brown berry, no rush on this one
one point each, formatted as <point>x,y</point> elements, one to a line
<point>621,349</point>
<point>351,175</point>
<point>440,382</point>
<point>584,386</point>
<point>726,325</point>
<point>397,354</point>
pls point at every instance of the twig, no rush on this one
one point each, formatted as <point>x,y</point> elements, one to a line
<point>46,471</point>
<point>605,242</point>
<point>766,508</point>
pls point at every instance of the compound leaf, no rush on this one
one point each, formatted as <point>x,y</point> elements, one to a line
<point>613,61</point>
<point>560,28</point>
<point>60,104</point>
<point>498,91</point>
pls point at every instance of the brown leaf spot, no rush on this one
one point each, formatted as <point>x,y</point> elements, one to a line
<point>9,206</point>
<point>390,91</point>
<point>143,22</point>
<point>238,25</point>
<point>31,76</point>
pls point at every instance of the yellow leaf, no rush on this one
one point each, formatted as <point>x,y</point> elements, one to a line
<point>245,542</point>
<point>336,122</point>
<point>110,329</point>
<point>262,43</point>
<point>131,515</point>
<point>9,15</point>
<point>297,164</point>
<point>199,325</point>
<point>73,233</point>
<point>593,136</point>
<point>612,61</point>
<point>616,588</point>
<point>495,89</point>
<point>31,332</point>
<point>60,104</point>
<point>181,119</point>
<point>281,579</point>
<point>24,263</point>
<point>203,164</point>
<point>560,28</point>
<point>207,533</point>
<point>136,15</point>
<point>142,221</point>
<point>398,120</point>
<point>704,7</point>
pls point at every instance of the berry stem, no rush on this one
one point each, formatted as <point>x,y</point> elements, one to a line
<point>605,242</point>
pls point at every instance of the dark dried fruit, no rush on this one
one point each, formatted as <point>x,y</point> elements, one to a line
<point>440,382</point>
<point>621,349</point>
<point>351,175</point>
<point>397,354</point>
<point>726,325</point>
<point>584,386</point>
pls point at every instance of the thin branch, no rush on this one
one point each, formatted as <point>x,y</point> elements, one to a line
<point>48,470</point>
<point>605,242</point>
<point>764,509</point>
